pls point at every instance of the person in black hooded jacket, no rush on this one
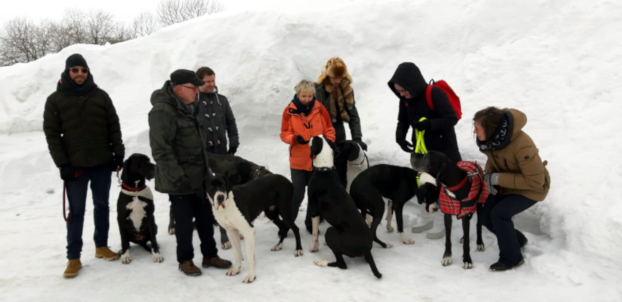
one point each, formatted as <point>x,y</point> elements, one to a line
<point>409,86</point>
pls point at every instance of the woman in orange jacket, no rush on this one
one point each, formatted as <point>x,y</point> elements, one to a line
<point>303,119</point>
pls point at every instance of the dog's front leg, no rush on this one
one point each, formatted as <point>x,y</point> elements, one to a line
<point>467,263</point>
<point>399,206</point>
<point>447,255</point>
<point>155,248</point>
<point>224,239</point>
<point>249,238</point>
<point>480,242</point>
<point>389,216</point>
<point>125,243</point>
<point>234,236</point>
<point>315,242</point>
<point>171,221</point>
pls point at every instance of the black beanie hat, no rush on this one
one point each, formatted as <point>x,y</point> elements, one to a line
<point>75,60</point>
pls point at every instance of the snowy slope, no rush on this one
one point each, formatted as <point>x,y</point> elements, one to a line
<point>556,61</point>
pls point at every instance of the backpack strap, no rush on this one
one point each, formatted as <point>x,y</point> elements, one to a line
<point>428,94</point>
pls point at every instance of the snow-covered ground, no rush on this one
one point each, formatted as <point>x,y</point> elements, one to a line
<point>558,61</point>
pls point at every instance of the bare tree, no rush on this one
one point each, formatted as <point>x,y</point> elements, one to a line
<point>23,41</point>
<point>144,24</point>
<point>176,11</point>
<point>100,27</point>
<point>74,25</point>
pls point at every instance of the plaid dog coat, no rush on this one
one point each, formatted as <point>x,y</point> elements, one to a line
<point>478,193</point>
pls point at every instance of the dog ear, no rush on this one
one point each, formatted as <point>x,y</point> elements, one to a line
<point>316,146</point>
<point>124,172</point>
<point>355,150</point>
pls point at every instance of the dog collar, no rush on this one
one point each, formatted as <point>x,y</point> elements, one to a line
<point>324,169</point>
<point>128,188</point>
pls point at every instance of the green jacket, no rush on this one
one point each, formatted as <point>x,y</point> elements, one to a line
<point>83,131</point>
<point>177,144</point>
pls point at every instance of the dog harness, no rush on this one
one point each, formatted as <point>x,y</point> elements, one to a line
<point>478,193</point>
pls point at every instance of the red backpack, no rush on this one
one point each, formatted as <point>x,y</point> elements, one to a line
<point>454,100</point>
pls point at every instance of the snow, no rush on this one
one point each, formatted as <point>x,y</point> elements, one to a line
<point>557,61</point>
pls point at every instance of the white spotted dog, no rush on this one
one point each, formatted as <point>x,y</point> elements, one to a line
<point>236,207</point>
<point>135,208</point>
<point>399,185</point>
<point>351,156</point>
<point>348,234</point>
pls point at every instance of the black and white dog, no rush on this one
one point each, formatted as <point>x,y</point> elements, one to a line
<point>463,193</point>
<point>236,207</point>
<point>350,161</point>
<point>135,208</point>
<point>399,185</point>
<point>239,171</point>
<point>348,234</point>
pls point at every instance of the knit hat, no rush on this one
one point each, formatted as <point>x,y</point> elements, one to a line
<point>75,60</point>
<point>335,68</point>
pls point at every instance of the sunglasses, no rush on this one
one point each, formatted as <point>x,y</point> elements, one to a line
<point>75,70</point>
<point>191,88</point>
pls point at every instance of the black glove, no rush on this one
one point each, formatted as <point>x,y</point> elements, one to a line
<point>423,125</point>
<point>299,139</point>
<point>117,163</point>
<point>232,150</point>
<point>361,143</point>
<point>68,173</point>
<point>406,146</point>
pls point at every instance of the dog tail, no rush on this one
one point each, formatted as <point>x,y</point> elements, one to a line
<point>372,264</point>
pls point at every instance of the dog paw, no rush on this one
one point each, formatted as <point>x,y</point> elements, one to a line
<point>406,240</point>
<point>446,261</point>
<point>432,208</point>
<point>322,263</point>
<point>390,246</point>
<point>249,279</point>
<point>298,253</point>
<point>241,236</point>
<point>277,247</point>
<point>389,228</point>
<point>126,258</point>
<point>226,245</point>
<point>171,231</point>
<point>481,247</point>
<point>157,257</point>
<point>233,271</point>
<point>314,247</point>
<point>467,265</point>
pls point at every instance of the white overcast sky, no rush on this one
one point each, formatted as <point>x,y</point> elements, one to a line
<point>123,10</point>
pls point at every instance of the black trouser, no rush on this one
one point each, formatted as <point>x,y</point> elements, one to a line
<point>300,180</point>
<point>497,216</point>
<point>185,207</point>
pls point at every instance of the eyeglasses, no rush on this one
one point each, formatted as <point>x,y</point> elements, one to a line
<point>191,88</point>
<point>75,70</point>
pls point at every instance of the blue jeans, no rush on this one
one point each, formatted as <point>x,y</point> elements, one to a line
<point>100,179</point>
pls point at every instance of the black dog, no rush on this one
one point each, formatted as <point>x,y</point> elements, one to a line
<point>399,185</point>
<point>135,208</point>
<point>463,194</point>
<point>349,234</point>
<point>350,161</point>
<point>239,171</point>
<point>236,207</point>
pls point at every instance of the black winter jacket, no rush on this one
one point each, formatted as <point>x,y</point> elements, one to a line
<point>442,136</point>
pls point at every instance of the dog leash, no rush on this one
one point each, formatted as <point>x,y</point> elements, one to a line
<point>420,145</point>
<point>65,216</point>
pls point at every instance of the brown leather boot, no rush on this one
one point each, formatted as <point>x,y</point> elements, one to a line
<point>106,253</point>
<point>216,262</point>
<point>73,266</point>
<point>188,268</point>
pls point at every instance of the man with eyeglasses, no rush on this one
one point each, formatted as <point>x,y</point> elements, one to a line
<point>178,148</point>
<point>84,138</point>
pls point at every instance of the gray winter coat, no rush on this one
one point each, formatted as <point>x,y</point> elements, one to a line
<point>218,122</point>
<point>177,144</point>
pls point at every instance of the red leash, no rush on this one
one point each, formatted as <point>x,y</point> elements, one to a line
<point>65,216</point>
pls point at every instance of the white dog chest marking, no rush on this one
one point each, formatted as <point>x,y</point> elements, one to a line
<point>137,207</point>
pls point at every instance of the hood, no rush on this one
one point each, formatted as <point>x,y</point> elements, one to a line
<point>408,76</point>
<point>509,128</point>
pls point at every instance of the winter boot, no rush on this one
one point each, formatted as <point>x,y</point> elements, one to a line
<point>216,262</point>
<point>73,266</point>
<point>188,268</point>
<point>438,228</point>
<point>106,253</point>
<point>425,222</point>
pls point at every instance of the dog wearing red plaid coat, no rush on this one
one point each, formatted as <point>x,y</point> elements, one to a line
<point>463,192</point>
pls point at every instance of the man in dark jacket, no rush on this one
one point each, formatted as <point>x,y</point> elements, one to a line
<point>215,116</point>
<point>84,138</point>
<point>410,87</point>
<point>178,148</point>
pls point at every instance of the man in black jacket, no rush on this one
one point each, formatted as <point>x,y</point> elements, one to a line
<point>410,87</point>
<point>216,116</point>
<point>84,138</point>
